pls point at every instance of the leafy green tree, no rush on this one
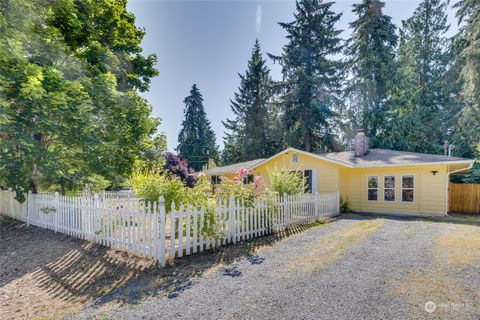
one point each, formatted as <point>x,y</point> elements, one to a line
<point>196,140</point>
<point>311,77</point>
<point>69,76</point>
<point>371,60</point>
<point>252,134</point>
<point>153,153</point>
<point>419,99</point>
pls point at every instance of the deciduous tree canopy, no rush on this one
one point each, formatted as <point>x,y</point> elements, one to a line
<point>70,71</point>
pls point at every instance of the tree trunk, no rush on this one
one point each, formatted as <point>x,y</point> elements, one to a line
<point>34,179</point>
<point>307,141</point>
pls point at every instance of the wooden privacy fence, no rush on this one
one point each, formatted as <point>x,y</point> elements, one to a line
<point>464,198</point>
<point>148,230</point>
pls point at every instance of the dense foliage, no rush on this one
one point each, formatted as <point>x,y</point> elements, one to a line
<point>311,76</point>
<point>410,90</point>
<point>196,140</point>
<point>253,133</point>
<point>71,114</point>
<point>69,108</point>
<point>420,99</point>
<point>284,181</point>
<point>179,167</point>
<point>371,61</point>
<point>151,186</point>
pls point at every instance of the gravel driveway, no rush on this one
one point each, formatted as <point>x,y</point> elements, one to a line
<point>352,268</point>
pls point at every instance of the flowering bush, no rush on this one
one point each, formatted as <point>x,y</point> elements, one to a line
<point>245,193</point>
<point>150,185</point>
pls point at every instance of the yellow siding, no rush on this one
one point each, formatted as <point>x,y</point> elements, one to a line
<point>430,190</point>
<point>327,173</point>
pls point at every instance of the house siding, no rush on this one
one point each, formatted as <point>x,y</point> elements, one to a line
<point>430,190</point>
<point>429,196</point>
<point>328,179</point>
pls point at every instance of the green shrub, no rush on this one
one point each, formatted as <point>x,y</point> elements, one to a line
<point>150,185</point>
<point>344,206</point>
<point>284,181</point>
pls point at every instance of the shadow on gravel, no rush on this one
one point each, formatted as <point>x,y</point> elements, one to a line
<point>178,275</point>
<point>46,274</point>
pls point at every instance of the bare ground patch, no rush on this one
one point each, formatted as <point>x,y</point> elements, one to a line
<point>330,248</point>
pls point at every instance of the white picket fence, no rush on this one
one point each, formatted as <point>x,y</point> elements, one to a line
<point>147,230</point>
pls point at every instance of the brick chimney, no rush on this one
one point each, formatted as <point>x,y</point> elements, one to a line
<point>361,143</point>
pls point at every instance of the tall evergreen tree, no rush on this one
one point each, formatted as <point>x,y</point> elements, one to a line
<point>311,77</point>
<point>371,60</point>
<point>251,135</point>
<point>419,98</point>
<point>196,140</point>
<point>466,138</point>
<point>468,61</point>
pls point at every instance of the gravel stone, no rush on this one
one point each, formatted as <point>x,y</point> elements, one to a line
<point>360,284</point>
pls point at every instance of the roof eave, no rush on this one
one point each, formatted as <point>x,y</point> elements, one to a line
<point>305,153</point>
<point>417,164</point>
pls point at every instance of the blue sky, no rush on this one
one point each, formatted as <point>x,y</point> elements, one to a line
<point>210,42</point>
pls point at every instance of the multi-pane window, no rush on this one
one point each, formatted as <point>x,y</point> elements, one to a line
<point>408,188</point>
<point>372,188</point>
<point>389,188</point>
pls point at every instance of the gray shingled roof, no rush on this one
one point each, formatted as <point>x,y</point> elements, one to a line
<point>382,157</point>
<point>374,158</point>
<point>233,167</point>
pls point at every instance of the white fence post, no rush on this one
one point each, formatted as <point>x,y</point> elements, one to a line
<point>141,229</point>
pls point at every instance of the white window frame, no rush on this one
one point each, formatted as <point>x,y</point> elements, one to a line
<point>378,188</point>
<point>414,188</point>
<point>313,177</point>
<point>394,188</point>
<point>295,158</point>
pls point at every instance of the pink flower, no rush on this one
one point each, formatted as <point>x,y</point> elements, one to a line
<point>258,182</point>
<point>236,179</point>
<point>242,172</point>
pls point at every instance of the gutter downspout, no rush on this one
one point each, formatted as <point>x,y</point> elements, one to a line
<point>448,183</point>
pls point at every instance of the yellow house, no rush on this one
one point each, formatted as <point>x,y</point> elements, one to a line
<point>376,180</point>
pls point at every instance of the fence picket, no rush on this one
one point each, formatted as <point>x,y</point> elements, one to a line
<point>172,230</point>
<point>195,231</point>
<point>162,232</point>
<point>180,231</point>
<point>141,228</point>
<point>202,211</point>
